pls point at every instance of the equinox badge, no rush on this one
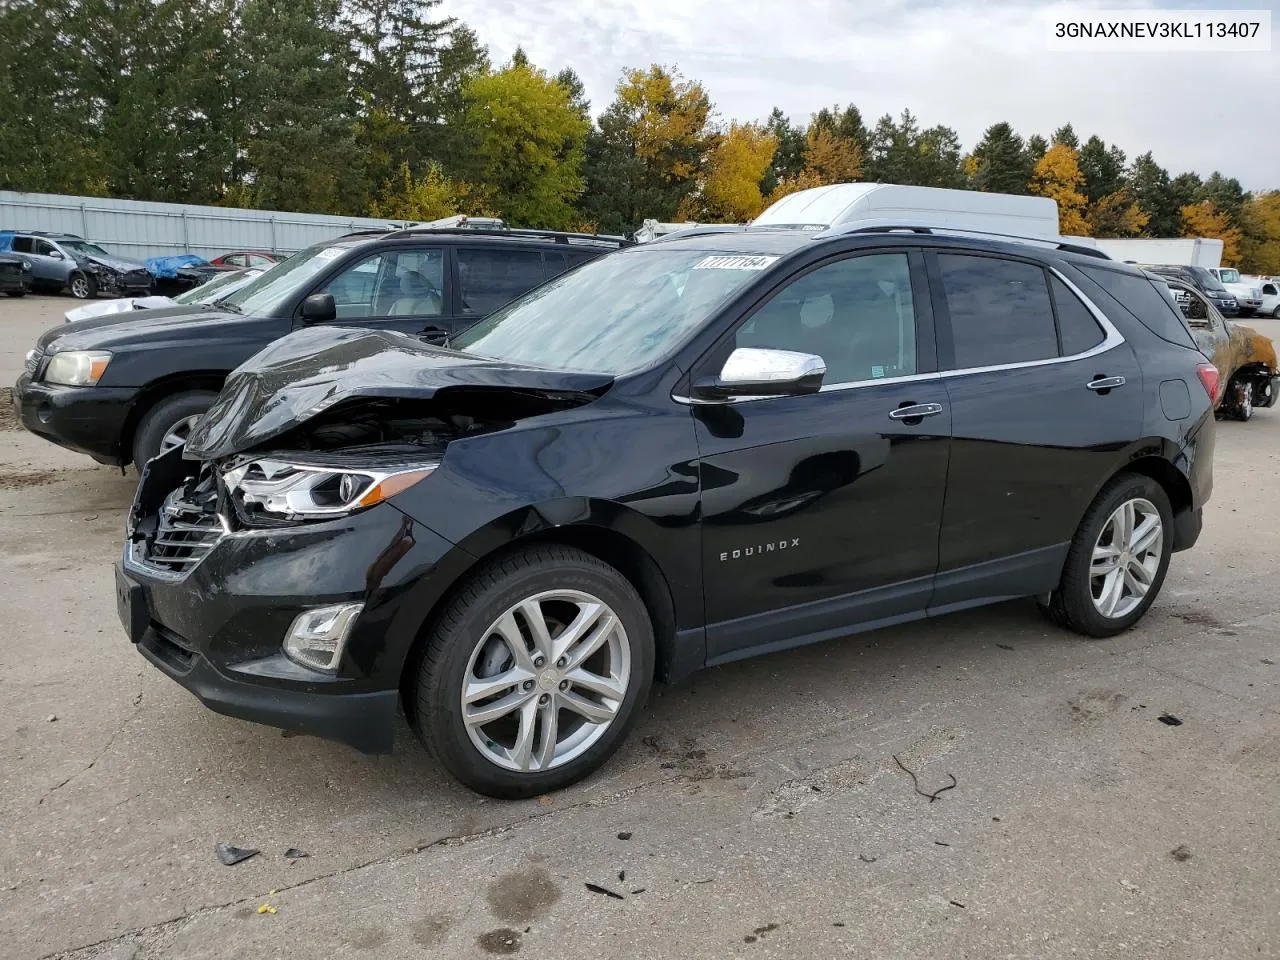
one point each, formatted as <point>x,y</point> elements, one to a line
<point>770,547</point>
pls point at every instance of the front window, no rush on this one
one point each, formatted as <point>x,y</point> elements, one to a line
<point>267,293</point>
<point>83,246</point>
<point>620,313</point>
<point>391,283</point>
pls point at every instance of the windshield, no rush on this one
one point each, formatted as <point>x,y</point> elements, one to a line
<point>614,315</point>
<point>1229,276</point>
<point>264,294</point>
<point>1208,281</point>
<point>220,286</point>
<point>83,246</point>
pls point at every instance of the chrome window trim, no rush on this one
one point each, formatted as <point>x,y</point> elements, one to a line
<point>1112,338</point>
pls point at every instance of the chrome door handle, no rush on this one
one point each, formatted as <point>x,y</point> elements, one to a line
<point>916,411</point>
<point>1105,383</point>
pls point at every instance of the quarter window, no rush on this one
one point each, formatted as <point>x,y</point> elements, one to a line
<point>491,278</point>
<point>1000,311</point>
<point>1076,326</point>
<point>856,314</point>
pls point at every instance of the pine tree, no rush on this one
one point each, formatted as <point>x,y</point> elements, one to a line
<point>1000,161</point>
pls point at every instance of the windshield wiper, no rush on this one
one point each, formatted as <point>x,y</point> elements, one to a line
<point>224,305</point>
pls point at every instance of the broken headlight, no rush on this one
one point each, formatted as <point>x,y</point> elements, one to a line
<point>286,490</point>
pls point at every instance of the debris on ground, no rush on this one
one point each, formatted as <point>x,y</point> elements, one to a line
<point>865,859</point>
<point>1268,661</point>
<point>1004,646</point>
<point>1169,720</point>
<point>637,891</point>
<point>622,876</point>
<point>293,853</point>
<point>957,903</point>
<point>939,843</point>
<point>596,888</point>
<point>52,718</point>
<point>916,782</point>
<point>230,855</point>
<point>267,908</point>
<point>625,835</point>
<point>1180,853</point>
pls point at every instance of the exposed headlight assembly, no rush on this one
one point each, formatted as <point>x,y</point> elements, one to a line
<point>77,368</point>
<point>300,491</point>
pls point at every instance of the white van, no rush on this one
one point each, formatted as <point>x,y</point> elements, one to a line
<point>886,205</point>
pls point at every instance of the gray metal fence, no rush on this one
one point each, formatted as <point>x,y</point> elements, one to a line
<point>138,229</point>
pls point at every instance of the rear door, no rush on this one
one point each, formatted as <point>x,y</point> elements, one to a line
<point>1043,391</point>
<point>44,266</point>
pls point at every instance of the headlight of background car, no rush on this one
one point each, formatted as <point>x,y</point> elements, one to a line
<point>299,491</point>
<point>77,368</point>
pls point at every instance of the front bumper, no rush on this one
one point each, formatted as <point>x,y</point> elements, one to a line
<point>219,628</point>
<point>89,420</point>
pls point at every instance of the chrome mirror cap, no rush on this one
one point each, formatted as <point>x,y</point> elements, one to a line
<point>760,372</point>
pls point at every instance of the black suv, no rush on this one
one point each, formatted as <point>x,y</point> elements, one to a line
<point>124,387</point>
<point>681,454</point>
<point>1205,282</point>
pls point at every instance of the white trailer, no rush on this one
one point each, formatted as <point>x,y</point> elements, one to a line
<point>1172,251</point>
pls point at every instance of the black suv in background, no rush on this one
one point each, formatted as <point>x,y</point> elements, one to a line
<point>691,451</point>
<point>1205,282</point>
<point>124,387</point>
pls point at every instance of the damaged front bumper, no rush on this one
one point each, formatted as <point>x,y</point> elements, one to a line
<point>213,613</point>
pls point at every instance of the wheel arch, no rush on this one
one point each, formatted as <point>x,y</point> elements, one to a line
<point>678,652</point>
<point>160,389</point>
<point>1175,485</point>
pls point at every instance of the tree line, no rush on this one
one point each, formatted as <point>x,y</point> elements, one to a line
<point>382,107</point>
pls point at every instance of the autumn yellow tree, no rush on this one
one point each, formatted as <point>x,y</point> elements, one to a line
<point>1205,220</point>
<point>1057,176</point>
<point>429,197</point>
<point>1116,215</point>
<point>828,158</point>
<point>730,190</point>
<point>1260,246</point>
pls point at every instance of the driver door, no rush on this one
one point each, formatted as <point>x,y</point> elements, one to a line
<point>394,289</point>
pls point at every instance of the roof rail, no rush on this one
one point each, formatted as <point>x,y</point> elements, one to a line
<point>704,230</point>
<point>1056,243</point>
<point>558,236</point>
<point>368,232</point>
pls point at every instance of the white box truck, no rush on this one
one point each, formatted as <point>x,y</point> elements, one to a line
<point>1173,252</point>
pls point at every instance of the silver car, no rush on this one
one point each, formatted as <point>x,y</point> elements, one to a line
<point>63,261</point>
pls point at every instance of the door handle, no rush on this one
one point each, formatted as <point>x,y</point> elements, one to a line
<point>1103,384</point>
<point>915,411</point>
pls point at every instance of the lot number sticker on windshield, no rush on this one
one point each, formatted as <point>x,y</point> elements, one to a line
<point>330,253</point>
<point>734,263</point>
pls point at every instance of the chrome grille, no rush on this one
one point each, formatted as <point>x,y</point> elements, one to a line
<point>186,530</point>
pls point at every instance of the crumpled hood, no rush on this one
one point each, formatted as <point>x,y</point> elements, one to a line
<point>118,264</point>
<point>307,372</point>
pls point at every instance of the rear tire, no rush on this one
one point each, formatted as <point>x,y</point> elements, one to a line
<point>169,420</point>
<point>1089,585</point>
<point>1241,399</point>
<point>16,293</point>
<point>533,685</point>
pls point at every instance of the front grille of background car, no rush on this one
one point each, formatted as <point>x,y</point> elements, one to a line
<point>186,530</point>
<point>140,277</point>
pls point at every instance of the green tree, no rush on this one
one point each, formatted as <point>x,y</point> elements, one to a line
<point>1225,193</point>
<point>845,123</point>
<point>528,139</point>
<point>788,157</point>
<point>1149,184</point>
<point>1103,169</point>
<point>1000,161</point>
<point>1037,147</point>
<point>1065,136</point>
<point>298,141</point>
<point>1260,245</point>
<point>570,80</point>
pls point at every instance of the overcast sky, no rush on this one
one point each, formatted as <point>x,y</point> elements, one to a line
<point>963,63</point>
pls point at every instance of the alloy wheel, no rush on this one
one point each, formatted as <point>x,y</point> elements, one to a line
<point>546,680</point>
<point>80,287</point>
<point>1126,558</point>
<point>177,435</point>
<point>1245,407</point>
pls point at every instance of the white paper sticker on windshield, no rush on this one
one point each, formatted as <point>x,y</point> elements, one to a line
<point>734,263</point>
<point>331,253</point>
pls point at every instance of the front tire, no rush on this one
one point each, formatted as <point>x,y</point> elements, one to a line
<point>1117,560</point>
<point>83,286</point>
<point>168,424</point>
<point>535,673</point>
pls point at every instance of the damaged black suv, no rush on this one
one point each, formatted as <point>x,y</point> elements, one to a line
<point>681,454</point>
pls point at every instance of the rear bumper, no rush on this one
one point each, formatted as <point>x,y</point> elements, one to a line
<point>88,420</point>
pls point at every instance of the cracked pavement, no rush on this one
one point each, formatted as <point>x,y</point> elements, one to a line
<point>764,810</point>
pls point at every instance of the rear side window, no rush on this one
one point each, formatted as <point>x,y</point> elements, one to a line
<point>23,245</point>
<point>491,278</point>
<point>1139,296</point>
<point>554,264</point>
<point>1000,311</point>
<point>1076,326</point>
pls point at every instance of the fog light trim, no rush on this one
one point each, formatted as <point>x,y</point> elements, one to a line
<point>317,637</point>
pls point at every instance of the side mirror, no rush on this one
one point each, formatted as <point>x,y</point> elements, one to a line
<point>319,308</point>
<point>56,254</point>
<point>757,372</point>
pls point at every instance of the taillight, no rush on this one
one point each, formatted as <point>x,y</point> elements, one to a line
<point>1209,378</point>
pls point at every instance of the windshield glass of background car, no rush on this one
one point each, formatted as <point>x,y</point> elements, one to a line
<point>617,314</point>
<point>264,294</point>
<point>1208,280</point>
<point>81,246</point>
<point>217,287</point>
<point>1229,276</point>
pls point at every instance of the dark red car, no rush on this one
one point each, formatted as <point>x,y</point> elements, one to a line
<point>247,258</point>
